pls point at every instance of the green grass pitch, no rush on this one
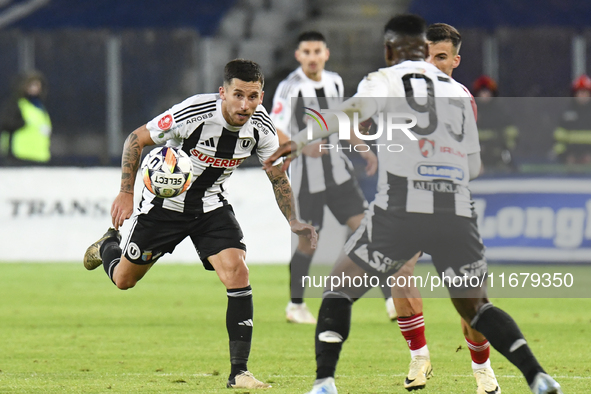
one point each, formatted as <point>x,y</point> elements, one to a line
<point>66,330</point>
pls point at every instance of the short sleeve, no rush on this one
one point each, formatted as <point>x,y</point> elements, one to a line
<point>267,146</point>
<point>167,125</point>
<point>374,85</point>
<point>161,127</point>
<point>281,112</point>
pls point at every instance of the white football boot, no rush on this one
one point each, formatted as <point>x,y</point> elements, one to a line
<point>299,313</point>
<point>486,381</point>
<point>420,370</point>
<point>246,380</point>
<point>544,384</point>
<point>325,386</point>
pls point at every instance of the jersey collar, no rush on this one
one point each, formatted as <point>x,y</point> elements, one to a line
<point>316,84</point>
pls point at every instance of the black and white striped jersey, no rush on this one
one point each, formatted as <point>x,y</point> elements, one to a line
<point>216,149</point>
<point>431,174</point>
<point>295,93</point>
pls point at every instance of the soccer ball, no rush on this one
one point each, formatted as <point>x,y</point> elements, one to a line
<point>167,171</point>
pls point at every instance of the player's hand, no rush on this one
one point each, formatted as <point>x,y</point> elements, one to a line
<point>365,126</point>
<point>372,162</point>
<point>313,150</point>
<point>287,150</point>
<point>121,209</point>
<point>305,230</point>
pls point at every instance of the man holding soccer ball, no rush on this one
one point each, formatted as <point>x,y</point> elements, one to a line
<point>217,131</point>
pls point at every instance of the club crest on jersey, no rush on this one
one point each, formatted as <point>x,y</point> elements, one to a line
<point>427,147</point>
<point>165,122</point>
<point>278,108</point>
<point>215,161</point>
<point>245,143</point>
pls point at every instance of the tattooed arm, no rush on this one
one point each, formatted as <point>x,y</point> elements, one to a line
<point>282,190</point>
<point>132,152</point>
<point>286,202</point>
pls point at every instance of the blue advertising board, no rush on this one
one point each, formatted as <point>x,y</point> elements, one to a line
<point>534,220</point>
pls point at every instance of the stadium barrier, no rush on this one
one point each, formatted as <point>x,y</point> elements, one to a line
<point>53,214</point>
<point>535,220</point>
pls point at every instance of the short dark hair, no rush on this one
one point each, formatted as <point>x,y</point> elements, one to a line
<point>311,36</point>
<point>244,70</point>
<point>406,24</point>
<point>439,32</point>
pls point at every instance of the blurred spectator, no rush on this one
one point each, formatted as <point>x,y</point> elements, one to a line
<point>25,126</point>
<point>573,136</point>
<point>497,134</point>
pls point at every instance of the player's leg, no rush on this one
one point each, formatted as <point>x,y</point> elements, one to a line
<point>479,346</point>
<point>506,337</point>
<point>126,267</point>
<point>462,251</point>
<point>297,311</point>
<point>230,266</point>
<point>353,223</point>
<point>409,307</point>
<point>334,323</point>
<point>217,236</point>
<point>361,257</point>
<point>311,210</point>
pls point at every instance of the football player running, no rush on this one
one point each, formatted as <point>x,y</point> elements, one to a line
<point>218,131</point>
<point>423,204</point>
<point>444,45</point>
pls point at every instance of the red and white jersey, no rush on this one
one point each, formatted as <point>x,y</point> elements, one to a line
<point>429,175</point>
<point>215,147</point>
<point>293,95</point>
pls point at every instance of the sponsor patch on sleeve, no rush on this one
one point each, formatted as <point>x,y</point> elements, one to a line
<point>165,122</point>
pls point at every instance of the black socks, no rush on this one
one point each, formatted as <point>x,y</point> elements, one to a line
<point>334,322</point>
<point>298,267</point>
<point>504,335</point>
<point>111,255</point>
<point>239,325</point>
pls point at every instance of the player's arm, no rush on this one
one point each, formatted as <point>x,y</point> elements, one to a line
<point>286,202</point>
<point>370,158</point>
<point>130,162</point>
<point>474,165</point>
<point>365,107</point>
<point>283,137</point>
<point>374,85</point>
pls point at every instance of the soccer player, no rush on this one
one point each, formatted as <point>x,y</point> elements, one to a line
<point>444,45</point>
<point>230,125</point>
<point>423,204</point>
<point>320,177</point>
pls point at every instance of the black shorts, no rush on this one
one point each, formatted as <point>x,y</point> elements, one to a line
<point>160,231</point>
<point>344,201</point>
<point>453,242</point>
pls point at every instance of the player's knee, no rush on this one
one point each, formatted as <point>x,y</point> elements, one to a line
<point>235,275</point>
<point>468,307</point>
<point>124,283</point>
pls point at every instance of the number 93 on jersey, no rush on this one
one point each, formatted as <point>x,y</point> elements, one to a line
<point>167,171</point>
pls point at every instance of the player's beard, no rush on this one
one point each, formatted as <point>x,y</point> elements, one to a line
<point>241,120</point>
